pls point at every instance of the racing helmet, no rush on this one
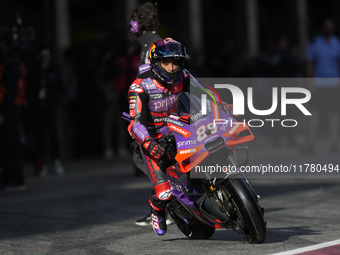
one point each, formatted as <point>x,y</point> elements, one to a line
<point>167,48</point>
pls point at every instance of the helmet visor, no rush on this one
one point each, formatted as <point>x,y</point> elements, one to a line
<point>171,50</point>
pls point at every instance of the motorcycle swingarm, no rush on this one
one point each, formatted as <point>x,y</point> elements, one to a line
<point>181,214</point>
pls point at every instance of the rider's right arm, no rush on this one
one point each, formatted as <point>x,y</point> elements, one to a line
<point>138,100</point>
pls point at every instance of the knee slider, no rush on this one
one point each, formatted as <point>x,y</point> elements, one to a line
<point>163,191</point>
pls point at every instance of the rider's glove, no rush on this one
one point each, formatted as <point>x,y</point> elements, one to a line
<point>228,108</point>
<point>155,149</point>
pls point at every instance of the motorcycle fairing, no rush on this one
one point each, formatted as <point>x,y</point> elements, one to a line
<point>192,136</point>
<point>198,204</point>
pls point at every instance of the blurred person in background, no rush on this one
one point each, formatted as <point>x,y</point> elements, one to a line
<point>278,59</point>
<point>44,95</point>
<point>199,67</point>
<point>227,61</point>
<point>70,88</point>
<point>11,98</point>
<point>143,25</point>
<point>107,72</point>
<point>116,75</point>
<point>87,109</point>
<point>24,43</point>
<point>282,64</point>
<point>323,56</point>
<point>128,66</point>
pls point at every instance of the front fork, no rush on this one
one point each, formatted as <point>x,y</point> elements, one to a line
<point>213,183</point>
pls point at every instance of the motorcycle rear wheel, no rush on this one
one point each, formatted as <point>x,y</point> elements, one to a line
<point>194,229</point>
<point>198,230</point>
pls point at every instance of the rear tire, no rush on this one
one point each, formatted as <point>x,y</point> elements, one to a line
<point>195,229</point>
<point>198,230</point>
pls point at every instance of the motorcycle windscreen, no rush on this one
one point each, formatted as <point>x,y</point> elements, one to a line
<point>198,136</point>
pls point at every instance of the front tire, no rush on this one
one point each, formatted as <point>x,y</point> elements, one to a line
<point>246,213</point>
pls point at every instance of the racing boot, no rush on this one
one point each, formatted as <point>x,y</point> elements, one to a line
<point>159,198</point>
<point>158,221</point>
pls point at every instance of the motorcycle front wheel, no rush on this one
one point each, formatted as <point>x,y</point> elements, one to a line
<point>244,210</point>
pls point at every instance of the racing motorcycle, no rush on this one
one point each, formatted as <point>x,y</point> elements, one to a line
<point>202,201</point>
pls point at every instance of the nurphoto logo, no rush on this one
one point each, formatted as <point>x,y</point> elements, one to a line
<point>238,105</point>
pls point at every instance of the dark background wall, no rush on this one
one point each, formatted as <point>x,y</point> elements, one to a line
<point>97,27</point>
<point>224,21</point>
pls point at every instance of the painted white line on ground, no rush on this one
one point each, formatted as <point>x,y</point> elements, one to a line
<point>309,248</point>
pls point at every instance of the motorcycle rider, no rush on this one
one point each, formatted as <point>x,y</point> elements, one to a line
<point>152,97</point>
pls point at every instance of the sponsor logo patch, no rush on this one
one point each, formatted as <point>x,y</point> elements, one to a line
<point>199,121</point>
<point>175,122</point>
<point>216,111</point>
<point>179,131</point>
<point>185,143</point>
<point>136,88</point>
<point>196,116</point>
<point>209,106</point>
<point>150,85</point>
<point>168,102</point>
<point>165,195</point>
<point>174,117</point>
<point>156,96</point>
<point>160,119</point>
<point>233,129</point>
<point>187,151</point>
<point>226,125</point>
<point>211,138</point>
<point>132,113</point>
<point>176,88</point>
<point>143,68</point>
